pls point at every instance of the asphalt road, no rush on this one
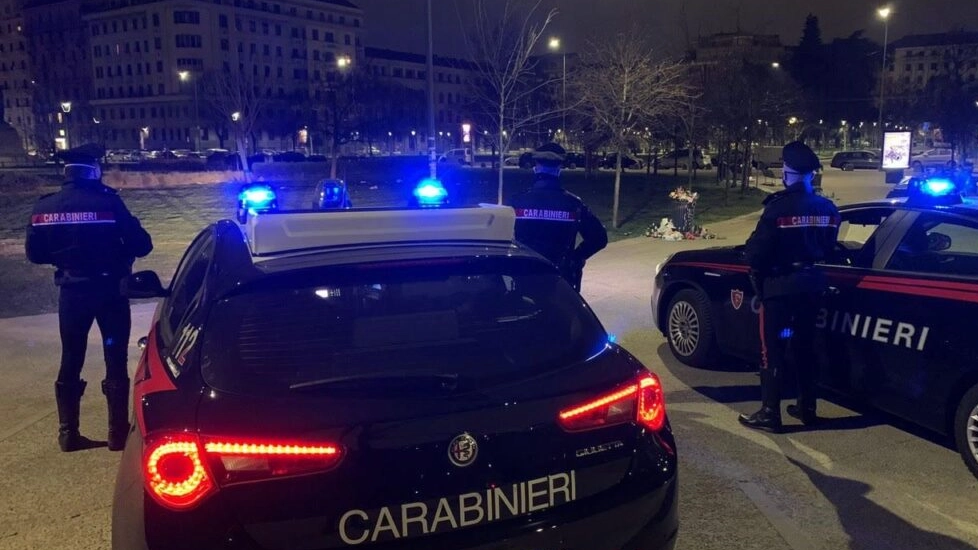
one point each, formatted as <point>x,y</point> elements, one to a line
<point>858,482</point>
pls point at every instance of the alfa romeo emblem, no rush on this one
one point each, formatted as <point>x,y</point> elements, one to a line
<point>736,298</point>
<point>463,450</point>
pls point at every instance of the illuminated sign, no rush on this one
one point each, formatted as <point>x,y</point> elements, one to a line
<point>896,150</point>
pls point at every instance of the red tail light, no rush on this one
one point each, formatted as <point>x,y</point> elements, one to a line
<point>180,472</point>
<point>175,473</point>
<point>641,401</point>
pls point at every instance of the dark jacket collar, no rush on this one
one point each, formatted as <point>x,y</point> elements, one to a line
<point>542,180</point>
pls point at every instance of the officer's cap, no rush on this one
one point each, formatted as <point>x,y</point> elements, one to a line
<point>549,153</point>
<point>82,171</point>
<point>800,157</point>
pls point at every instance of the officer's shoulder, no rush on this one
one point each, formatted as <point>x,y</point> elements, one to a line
<point>107,190</point>
<point>774,197</point>
<point>572,195</point>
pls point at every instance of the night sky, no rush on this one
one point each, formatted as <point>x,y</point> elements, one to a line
<point>400,24</point>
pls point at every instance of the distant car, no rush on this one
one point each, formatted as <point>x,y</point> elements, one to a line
<point>289,156</point>
<point>458,156</point>
<point>575,160</point>
<point>680,158</point>
<point>853,160</point>
<point>611,160</point>
<point>511,160</point>
<point>932,158</point>
<point>394,378</point>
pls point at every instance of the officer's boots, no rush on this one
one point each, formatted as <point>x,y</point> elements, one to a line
<point>804,411</point>
<point>117,395</point>
<point>68,396</point>
<point>767,419</point>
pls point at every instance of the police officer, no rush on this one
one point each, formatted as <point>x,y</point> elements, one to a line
<point>88,234</point>
<point>549,219</point>
<point>797,230</point>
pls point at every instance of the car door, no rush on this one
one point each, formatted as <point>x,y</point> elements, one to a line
<point>179,322</point>
<point>865,234</point>
<point>914,341</point>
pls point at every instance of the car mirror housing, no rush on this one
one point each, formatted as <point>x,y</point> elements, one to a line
<point>143,284</point>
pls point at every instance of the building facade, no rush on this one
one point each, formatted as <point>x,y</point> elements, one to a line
<point>15,73</point>
<point>151,58</point>
<point>762,49</point>
<point>914,60</point>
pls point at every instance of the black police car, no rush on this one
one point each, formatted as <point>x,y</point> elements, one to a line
<point>387,379</point>
<point>896,325</point>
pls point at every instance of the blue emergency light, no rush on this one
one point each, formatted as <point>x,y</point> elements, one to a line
<point>255,198</point>
<point>430,193</point>
<point>933,191</point>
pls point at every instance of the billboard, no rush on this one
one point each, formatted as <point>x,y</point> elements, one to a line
<point>896,150</point>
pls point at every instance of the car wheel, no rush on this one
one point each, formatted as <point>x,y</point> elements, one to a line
<point>966,429</point>
<point>847,167</point>
<point>690,328</point>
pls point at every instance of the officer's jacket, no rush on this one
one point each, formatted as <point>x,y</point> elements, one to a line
<point>797,230</point>
<point>548,220</point>
<point>86,231</point>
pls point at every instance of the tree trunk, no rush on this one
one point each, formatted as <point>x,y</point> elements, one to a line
<point>614,208</point>
<point>502,118</point>
<point>332,157</point>
<point>243,157</point>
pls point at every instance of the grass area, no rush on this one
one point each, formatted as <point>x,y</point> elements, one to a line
<point>175,214</point>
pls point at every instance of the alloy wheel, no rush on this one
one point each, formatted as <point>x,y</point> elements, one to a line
<point>684,329</point>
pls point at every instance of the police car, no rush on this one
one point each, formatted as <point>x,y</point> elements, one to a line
<point>896,325</point>
<point>386,378</point>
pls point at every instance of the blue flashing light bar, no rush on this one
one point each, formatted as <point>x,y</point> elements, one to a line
<point>255,197</point>
<point>430,193</point>
<point>937,187</point>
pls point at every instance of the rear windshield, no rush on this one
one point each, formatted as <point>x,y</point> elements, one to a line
<point>485,326</point>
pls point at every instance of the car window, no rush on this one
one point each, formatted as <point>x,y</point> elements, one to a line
<point>484,326</point>
<point>188,282</point>
<point>938,245</point>
<point>858,231</point>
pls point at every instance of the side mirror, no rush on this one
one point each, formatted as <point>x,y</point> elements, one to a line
<point>143,284</point>
<point>937,242</point>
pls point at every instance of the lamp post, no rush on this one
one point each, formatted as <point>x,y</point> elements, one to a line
<point>66,108</point>
<point>554,45</point>
<point>884,14</point>
<point>143,133</point>
<point>185,76</point>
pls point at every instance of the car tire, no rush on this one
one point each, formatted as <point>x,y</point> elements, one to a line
<point>847,167</point>
<point>966,429</point>
<point>689,328</point>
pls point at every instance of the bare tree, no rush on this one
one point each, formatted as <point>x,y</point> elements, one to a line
<point>235,96</point>
<point>502,41</point>
<point>622,87</point>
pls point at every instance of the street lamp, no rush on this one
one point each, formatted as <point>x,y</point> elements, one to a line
<point>554,45</point>
<point>185,76</point>
<point>775,65</point>
<point>143,133</point>
<point>884,14</point>
<point>343,62</point>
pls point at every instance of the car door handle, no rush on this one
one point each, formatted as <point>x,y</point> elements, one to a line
<point>142,342</point>
<point>832,291</point>
<point>711,274</point>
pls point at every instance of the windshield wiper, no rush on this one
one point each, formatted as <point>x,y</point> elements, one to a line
<point>445,382</point>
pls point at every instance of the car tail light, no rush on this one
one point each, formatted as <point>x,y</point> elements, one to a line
<point>181,470</point>
<point>234,461</point>
<point>641,401</point>
<point>175,472</point>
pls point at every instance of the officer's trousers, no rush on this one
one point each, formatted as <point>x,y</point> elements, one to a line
<point>78,307</point>
<point>788,341</point>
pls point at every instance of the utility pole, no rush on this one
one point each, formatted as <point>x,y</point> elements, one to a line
<point>432,153</point>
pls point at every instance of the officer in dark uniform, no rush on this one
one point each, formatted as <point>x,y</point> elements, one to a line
<point>549,219</point>
<point>797,230</point>
<point>88,234</point>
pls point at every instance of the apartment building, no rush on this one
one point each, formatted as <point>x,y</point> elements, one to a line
<point>914,60</point>
<point>149,59</point>
<point>15,73</point>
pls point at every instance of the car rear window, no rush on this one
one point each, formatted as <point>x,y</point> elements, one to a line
<point>484,326</point>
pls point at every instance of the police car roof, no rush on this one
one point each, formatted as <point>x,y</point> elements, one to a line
<point>968,207</point>
<point>277,233</point>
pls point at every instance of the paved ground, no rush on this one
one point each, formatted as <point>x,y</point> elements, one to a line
<point>858,483</point>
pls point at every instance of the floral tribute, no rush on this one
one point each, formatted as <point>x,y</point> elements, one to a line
<point>687,230</point>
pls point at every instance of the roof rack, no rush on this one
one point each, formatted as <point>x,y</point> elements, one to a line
<point>277,232</point>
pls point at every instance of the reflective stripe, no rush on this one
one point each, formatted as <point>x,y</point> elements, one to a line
<point>545,214</point>
<point>809,221</point>
<point>72,218</point>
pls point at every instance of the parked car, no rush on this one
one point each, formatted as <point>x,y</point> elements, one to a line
<point>933,158</point>
<point>610,161</point>
<point>575,160</point>
<point>852,160</point>
<point>458,156</point>
<point>680,158</point>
